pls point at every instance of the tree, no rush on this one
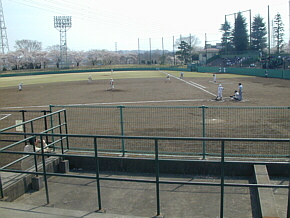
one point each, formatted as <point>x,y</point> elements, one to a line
<point>259,32</point>
<point>77,57</point>
<point>184,52</point>
<point>28,45</point>
<point>278,32</point>
<point>240,34</point>
<point>16,58</point>
<point>192,41</point>
<point>54,54</point>
<point>226,37</point>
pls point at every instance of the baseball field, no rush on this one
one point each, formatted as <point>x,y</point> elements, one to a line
<point>140,88</point>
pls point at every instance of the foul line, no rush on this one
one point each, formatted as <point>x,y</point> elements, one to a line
<point>190,83</point>
<point>5,115</point>
<point>112,103</point>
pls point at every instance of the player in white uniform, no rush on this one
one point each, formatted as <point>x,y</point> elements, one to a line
<point>240,91</point>
<point>20,86</point>
<point>112,84</point>
<point>181,75</point>
<point>214,78</point>
<point>220,92</point>
<point>235,96</point>
<point>90,79</point>
<point>29,161</point>
<point>167,78</point>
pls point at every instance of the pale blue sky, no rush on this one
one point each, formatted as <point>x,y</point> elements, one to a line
<point>103,24</point>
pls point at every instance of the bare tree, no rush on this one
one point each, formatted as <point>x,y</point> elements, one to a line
<point>28,45</point>
<point>16,58</point>
<point>77,57</point>
<point>54,54</point>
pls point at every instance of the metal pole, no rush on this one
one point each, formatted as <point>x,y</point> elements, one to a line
<point>157,177</point>
<point>205,49</point>
<point>45,123</point>
<point>173,52</point>
<point>222,178</point>
<point>138,51</point>
<point>250,29</point>
<point>51,123</point>
<point>203,132</point>
<point>268,31</point>
<point>288,205</point>
<point>97,174</point>
<point>34,150</point>
<point>1,188</point>
<point>44,170</point>
<point>163,58</point>
<point>60,131</point>
<point>66,129</point>
<point>150,51</point>
<point>23,120</point>
<point>122,129</point>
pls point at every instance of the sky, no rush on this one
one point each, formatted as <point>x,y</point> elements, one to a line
<point>129,24</point>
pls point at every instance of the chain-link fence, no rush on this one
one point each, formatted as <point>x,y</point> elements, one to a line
<point>226,122</point>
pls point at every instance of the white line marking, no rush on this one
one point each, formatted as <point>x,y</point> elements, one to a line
<point>195,85</point>
<point>118,103</point>
<point>5,115</point>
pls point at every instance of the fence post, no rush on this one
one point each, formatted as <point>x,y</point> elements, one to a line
<point>23,120</point>
<point>157,178</point>
<point>66,129</point>
<point>222,178</point>
<point>60,132</point>
<point>34,149</point>
<point>44,169</point>
<point>203,131</point>
<point>51,125</point>
<point>98,175</point>
<point>45,124</point>
<point>1,188</point>
<point>122,129</point>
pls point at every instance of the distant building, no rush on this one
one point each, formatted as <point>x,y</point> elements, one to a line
<point>207,53</point>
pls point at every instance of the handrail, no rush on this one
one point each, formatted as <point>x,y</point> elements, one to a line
<point>29,121</point>
<point>222,184</point>
<point>153,137</point>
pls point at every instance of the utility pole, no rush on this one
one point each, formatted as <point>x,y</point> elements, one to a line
<point>4,40</point>
<point>63,24</point>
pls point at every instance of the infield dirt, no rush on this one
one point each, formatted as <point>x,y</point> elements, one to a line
<point>150,92</point>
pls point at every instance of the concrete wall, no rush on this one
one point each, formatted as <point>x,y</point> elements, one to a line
<point>197,167</point>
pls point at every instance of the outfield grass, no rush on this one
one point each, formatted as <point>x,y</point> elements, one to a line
<point>53,78</point>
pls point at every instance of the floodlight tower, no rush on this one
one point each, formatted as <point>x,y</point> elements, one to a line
<point>3,34</point>
<point>63,24</point>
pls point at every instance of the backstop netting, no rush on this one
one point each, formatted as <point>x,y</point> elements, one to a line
<point>225,122</point>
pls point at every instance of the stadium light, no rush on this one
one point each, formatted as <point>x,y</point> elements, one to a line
<point>63,24</point>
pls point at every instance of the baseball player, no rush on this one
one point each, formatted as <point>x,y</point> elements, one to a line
<point>167,78</point>
<point>214,78</point>
<point>220,92</point>
<point>20,86</point>
<point>240,91</point>
<point>112,84</point>
<point>90,79</point>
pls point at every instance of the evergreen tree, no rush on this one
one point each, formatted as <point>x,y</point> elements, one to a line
<point>278,32</point>
<point>259,32</point>
<point>240,34</point>
<point>226,37</point>
<point>184,52</point>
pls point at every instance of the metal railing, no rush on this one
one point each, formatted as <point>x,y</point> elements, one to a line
<point>156,156</point>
